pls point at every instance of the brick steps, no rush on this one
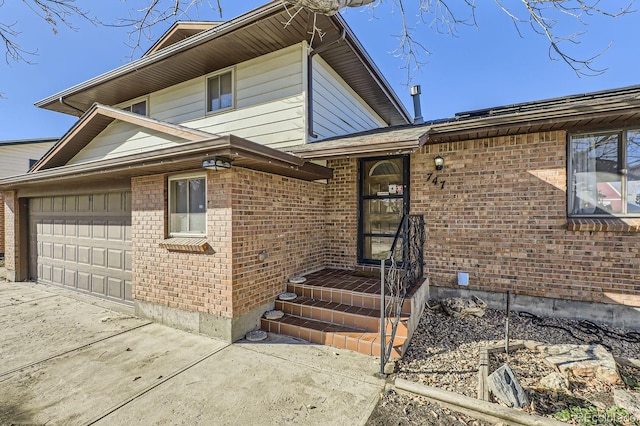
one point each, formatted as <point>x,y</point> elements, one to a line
<point>340,309</point>
<point>358,317</point>
<point>334,335</point>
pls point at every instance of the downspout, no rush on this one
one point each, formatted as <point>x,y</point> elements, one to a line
<point>314,52</point>
<point>62,101</point>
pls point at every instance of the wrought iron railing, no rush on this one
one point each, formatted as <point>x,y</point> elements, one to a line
<point>399,273</point>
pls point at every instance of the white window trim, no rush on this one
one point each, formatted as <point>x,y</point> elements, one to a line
<point>135,101</point>
<point>233,91</point>
<point>198,175</point>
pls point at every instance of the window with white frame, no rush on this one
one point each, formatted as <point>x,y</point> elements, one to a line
<point>138,107</point>
<point>188,205</point>
<point>604,173</point>
<point>220,91</point>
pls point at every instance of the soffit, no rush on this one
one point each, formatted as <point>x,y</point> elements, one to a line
<point>247,37</point>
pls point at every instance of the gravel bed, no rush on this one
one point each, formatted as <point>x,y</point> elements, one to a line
<point>445,353</point>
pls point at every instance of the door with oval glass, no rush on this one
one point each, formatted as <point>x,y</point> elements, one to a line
<point>384,199</point>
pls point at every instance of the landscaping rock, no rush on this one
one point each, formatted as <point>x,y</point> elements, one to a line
<point>628,400</point>
<point>287,296</point>
<point>555,381</point>
<point>584,361</point>
<point>273,315</point>
<point>505,386</point>
<point>460,308</point>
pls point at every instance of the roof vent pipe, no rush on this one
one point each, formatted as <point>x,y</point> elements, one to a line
<point>417,108</point>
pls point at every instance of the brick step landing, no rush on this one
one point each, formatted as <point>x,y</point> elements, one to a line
<point>340,308</point>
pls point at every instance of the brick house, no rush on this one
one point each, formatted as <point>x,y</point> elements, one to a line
<point>233,156</point>
<point>17,157</point>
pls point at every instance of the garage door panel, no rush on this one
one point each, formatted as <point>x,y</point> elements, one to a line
<point>47,250</point>
<point>70,278</point>
<point>71,228</point>
<point>56,275</point>
<point>71,253</point>
<point>98,284</point>
<point>115,230</point>
<point>116,288</point>
<point>128,261</point>
<point>84,281</point>
<point>128,293</point>
<point>114,259</point>
<point>98,256</point>
<point>58,204</point>
<point>98,228</point>
<point>84,255</point>
<point>47,272</point>
<point>84,228</point>
<point>58,251</point>
<point>83,242</point>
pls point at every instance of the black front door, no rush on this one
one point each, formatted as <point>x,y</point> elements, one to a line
<point>384,199</point>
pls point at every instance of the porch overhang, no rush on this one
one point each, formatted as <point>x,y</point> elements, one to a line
<point>186,156</point>
<point>401,140</point>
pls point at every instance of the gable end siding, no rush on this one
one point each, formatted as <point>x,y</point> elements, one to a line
<point>337,109</point>
<point>269,109</point>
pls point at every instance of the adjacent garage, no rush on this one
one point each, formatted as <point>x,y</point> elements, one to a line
<point>83,242</point>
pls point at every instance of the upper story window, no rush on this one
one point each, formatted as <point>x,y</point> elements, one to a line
<point>604,173</point>
<point>188,206</point>
<point>138,106</point>
<point>220,91</point>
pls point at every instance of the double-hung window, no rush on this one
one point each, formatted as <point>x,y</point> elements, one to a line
<point>187,206</point>
<point>604,174</point>
<point>220,91</point>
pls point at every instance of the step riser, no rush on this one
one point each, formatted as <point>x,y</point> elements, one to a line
<point>364,343</point>
<point>345,297</point>
<point>371,324</point>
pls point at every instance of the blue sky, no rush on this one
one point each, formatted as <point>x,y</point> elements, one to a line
<point>477,68</point>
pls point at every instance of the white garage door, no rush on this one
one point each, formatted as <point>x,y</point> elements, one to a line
<point>83,242</point>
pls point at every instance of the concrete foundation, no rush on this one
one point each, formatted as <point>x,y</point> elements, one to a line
<point>227,329</point>
<point>615,315</point>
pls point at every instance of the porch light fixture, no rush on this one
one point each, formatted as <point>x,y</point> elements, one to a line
<point>216,163</point>
<point>439,162</point>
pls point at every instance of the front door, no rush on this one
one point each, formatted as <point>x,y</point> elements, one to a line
<point>384,199</point>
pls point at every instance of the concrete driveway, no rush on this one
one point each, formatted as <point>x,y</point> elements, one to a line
<point>66,358</point>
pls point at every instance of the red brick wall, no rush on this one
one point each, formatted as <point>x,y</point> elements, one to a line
<point>1,223</point>
<point>247,212</point>
<point>342,214</point>
<point>501,217</point>
<point>188,281</point>
<point>283,217</point>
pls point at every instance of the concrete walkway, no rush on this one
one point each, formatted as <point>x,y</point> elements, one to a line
<point>66,358</point>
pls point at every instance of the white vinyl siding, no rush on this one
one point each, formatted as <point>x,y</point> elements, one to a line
<point>337,109</point>
<point>14,159</point>
<point>120,139</point>
<point>269,109</point>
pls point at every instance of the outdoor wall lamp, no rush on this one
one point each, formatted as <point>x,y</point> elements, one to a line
<point>216,163</point>
<point>439,162</point>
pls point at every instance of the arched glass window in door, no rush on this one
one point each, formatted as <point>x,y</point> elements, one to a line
<point>383,201</point>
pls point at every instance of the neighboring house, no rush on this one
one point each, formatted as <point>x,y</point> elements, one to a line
<point>16,158</point>
<point>202,176</point>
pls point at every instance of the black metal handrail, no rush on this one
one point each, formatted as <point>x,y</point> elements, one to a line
<point>398,277</point>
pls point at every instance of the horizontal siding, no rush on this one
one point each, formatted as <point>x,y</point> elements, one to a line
<point>337,109</point>
<point>269,110</point>
<point>14,159</point>
<point>120,139</point>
